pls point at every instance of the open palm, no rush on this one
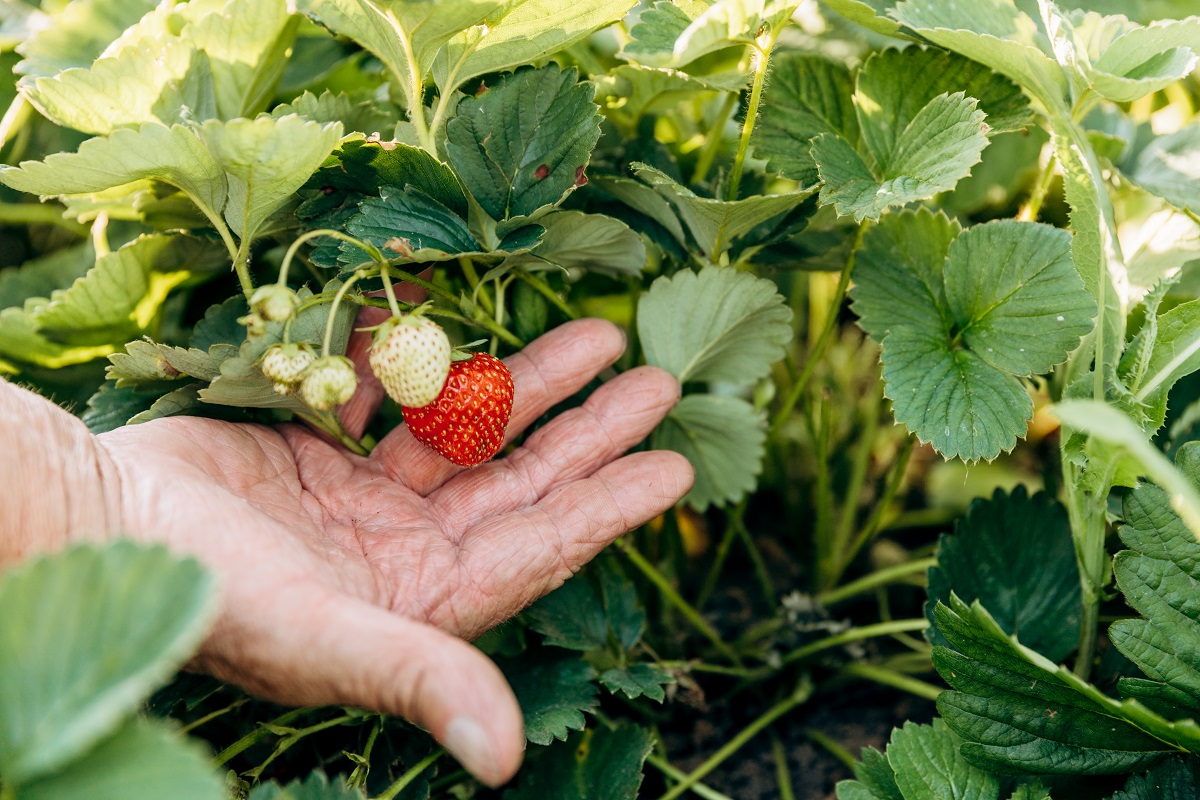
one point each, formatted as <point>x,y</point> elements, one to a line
<point>349,580</point>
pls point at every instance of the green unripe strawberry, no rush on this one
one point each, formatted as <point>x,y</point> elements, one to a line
<point>284,364</point>
<point>411,358</point>
<point>328,382</point>
<point>274,303</point>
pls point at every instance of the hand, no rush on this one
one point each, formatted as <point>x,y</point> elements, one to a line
<point>350,580</point>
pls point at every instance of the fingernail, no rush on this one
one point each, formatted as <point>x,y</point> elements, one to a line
<point>470,744</point>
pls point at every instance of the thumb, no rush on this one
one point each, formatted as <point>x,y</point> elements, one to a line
<point>310,646</point>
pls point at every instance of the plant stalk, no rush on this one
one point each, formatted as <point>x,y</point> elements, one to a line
<point>674,598</point>
<point>762,57</point>
<point>886,677</point>
<point>410,776</point>
<point>800,695</point>
<point>854,635</point>
<point>822,344</point>
<point>713,143</point>
<point>878,578</point>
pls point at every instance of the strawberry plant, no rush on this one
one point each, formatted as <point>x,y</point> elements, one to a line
<point>922,270</point>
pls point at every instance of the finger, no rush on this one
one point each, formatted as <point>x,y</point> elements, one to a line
<point>524,556</point>
<point>367,398</point>
<point>550,369</point>
<point>575,444</point>
<point>308,646</point>
<point>357,413</point>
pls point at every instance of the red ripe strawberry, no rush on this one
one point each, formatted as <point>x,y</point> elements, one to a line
<point>466,423</point>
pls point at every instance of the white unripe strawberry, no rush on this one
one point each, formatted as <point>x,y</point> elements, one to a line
<point>284,364</point>
<point>274,303</point>
<point>328,382</point>
<point>411,358</point>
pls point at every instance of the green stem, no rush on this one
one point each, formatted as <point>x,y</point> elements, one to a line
<point>881,506</point>
<point>886,677</point>
<point>783,776</point>
<point>337,301</point>
<point>878,578</point>
<point>390,292</point>
<point>236,704</point>
<point>14,119</point>
<point>831,746</point>
<point>370,249</point>
<point>858,478</point>
<point>1033,206</point>
<point>698,789</point>
<point>410,776</point>
<point>545,291</point>
<point>428,286</point>
<point>258,734</point>
<point>762,56</point>
<point>818,349</point>
<point>287,741</point>
<point>854,635</point>
<point>760,566</point>
<point>30,213</point>
<point>241,265</point>
<point>713,142</point>
<point>823,492</point>
<point>776,711</point>
<point>480,296</point>
<point>674,598</point>
<point>723,548</point>
<point>358,777</point>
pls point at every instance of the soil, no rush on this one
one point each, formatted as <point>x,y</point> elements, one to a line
<point>859,716</point>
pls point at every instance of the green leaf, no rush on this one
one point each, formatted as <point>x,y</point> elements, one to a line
<point>715,224</point>
<point>430,229</point>
<point>925,763</point>
<point>143,759</point>
<point>669,35</point>
<point>931,153</point>
<point>1007,303</point>
<point>807,96</point>
<point>265,160</point>
<point>1174,352</point>
<point>315,787</point>
<point>110,407</point>
<point>724,439</point>
<point>1121,60</point>
<point>520,32</point>
<point>246,43</point>
<point>1018,711</point>
<point>1014,295</point>
<point>20,341</point>
<point>358,113</point>
<point>1014,554</point>
<point>1170,167</point>
<point>1156,575</point>
<point>525,142</point>
<point>402,35</point>
<point>173,155</point>
<point>1109,426</point>
<point>1173,779</point>
<point>951,398</point>
<point>159,80</point>
<point>363,166</point>
<point>594,242</point>
<point>715,325</point>
<point>871,14</point>
<point>41,276</point>
<point>874,779</point>
<point>183,401</point>
<point>120,296</point>
<point>79,33</point>
<point>894,85</point>
<point>553,695</point>
<point>602,764</point>
<point>995,33</point>
<point>637,680</point>
<point>74,665</point>
<point>898,273</point>
<point>572,616</point>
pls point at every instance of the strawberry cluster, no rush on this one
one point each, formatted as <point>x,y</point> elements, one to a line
<point>459,408</point>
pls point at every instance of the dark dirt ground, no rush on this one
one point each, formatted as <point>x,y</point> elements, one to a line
<point>860,716</point>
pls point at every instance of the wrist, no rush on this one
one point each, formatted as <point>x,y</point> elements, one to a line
<point>58,484</point>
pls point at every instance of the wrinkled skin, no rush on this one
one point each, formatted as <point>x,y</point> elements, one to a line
<point>351,580</point>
